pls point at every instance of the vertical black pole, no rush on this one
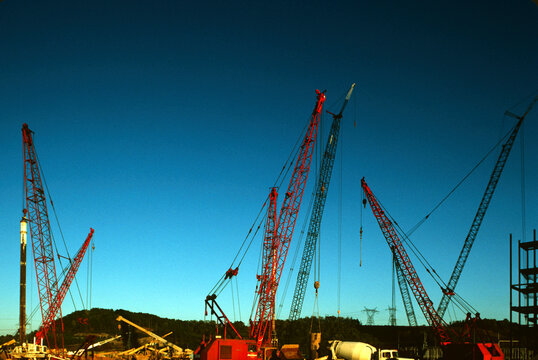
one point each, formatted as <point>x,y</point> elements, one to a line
<point>510,271</point>
<point>527,297</point>
<point>519,296</point>
<point>535,280</point>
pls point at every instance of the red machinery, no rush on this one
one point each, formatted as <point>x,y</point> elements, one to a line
<point>50,297</point>
<point>456,346</point>
<point>62,292</point>
<point>277,237</point>
<point>266,289</point>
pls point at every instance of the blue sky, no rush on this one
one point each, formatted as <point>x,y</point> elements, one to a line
<point>163,125</point>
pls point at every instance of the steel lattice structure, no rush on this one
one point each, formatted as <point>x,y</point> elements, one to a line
<point>370,313</point>
<point>70,275</point>
<point>404,290</point>
<point>266,290</point>
<point>392,316</point>
<point>403,260</point>
<point>312,236</point>
<point>281,236</point>
<point>50,297</point>
<point>40,232</point>
<point>481,212</point>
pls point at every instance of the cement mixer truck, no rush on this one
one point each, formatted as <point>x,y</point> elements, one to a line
<point>352,350</point>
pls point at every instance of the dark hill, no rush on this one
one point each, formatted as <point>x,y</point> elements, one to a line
<point>188,333</point>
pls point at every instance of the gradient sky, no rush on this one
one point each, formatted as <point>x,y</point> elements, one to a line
<point>163,124</point>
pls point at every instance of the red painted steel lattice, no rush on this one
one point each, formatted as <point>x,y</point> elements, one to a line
<point>277,241</point>
<point>38,221</point>
<point>397,248</point>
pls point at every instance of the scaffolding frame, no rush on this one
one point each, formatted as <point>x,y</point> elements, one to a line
<point>526,287</point>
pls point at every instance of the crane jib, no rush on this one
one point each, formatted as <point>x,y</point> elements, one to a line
<point>322,186</point>
<point>50,296</point>
<point>278,234</point>
<point>403,260</point>
<point>481,212</point>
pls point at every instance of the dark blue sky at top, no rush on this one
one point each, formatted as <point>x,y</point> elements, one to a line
<point>163,125</point>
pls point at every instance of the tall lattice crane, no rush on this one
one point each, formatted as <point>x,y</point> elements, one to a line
<point>457,346</point>
<point>481,212</point>
<point>278,233</point>
<point>400,254</point>
<point>322,187</point>
<point>38,219</point>
<point>404,290</point>
<point>266,289</point>
<point>50,297</point>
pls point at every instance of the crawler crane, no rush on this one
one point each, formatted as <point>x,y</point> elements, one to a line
<point>277,237</point>
<point>322,188</point>
<point>475,226</point>
<point>482,208</point>
<point>36,215</point>
<point>456,346</point>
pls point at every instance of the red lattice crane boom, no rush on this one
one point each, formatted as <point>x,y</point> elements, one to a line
<point>400,254</point>
<point>38,220</point>
<point>313,233</point>
<point>266,279</point>
<point>278,234</point>
<point>50,297</point>
<point>457,346</point>
<point>70,275</point>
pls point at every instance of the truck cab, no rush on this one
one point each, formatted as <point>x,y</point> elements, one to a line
<point>387,354</point>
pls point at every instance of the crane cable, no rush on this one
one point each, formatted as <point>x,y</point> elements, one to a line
<point>89,303</point>
<point>456,297</point>
<point>417,225</point>
<point>307,218</point>
<point>339,272</point>
<point>317,260</point>
<point>363,203</point>
<point>238,302</point>
<point>295,256</point>
<point>315,310</point>
<point>317,252</point>
<point>243,249</point>
<point>34,311</point>
<point>278,183</point>
<point>480,162</point>
<point>64,270</point>
<point>462,304</point>
<point>300,241</point>
<point>233,301</point>
<point>222,282</point>
<point>523,207</point>
<point>523,196</point>
<point>259,269</point>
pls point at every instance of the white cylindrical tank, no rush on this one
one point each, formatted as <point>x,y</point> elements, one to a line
<point>24,229</point>
<point>350,350</point>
